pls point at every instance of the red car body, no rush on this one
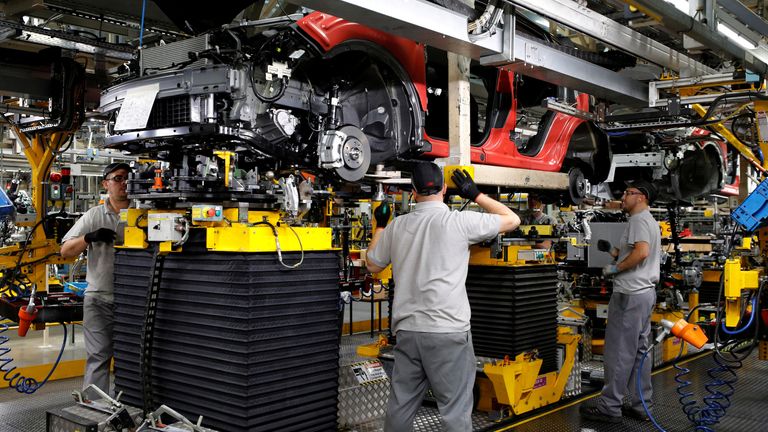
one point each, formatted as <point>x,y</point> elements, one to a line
<point>497,147</point>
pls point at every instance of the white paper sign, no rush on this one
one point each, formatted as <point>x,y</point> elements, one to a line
<point>134,113</point>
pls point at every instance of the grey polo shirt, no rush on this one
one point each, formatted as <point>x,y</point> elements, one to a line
<point>642,227</point>
<point>101,256</point>
<point>429,252</point>
<point>531,218</point>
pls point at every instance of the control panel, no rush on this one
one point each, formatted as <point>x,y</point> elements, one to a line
<point>55,191</point>
<point>207,213</point>
<point>165,227</point>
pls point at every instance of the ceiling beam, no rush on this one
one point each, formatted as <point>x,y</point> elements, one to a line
<point>584,20</point>
<point>672,18</point>
<point>441,28</point>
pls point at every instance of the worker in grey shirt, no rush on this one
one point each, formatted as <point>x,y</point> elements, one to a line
<point>628,332</point>
<point>429,252</point>
<point>535,214</point>
<point>95,231</point>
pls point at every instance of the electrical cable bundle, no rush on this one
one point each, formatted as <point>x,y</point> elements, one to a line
<point>14,284</point>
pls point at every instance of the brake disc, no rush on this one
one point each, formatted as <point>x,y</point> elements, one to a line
<point>355,154</point>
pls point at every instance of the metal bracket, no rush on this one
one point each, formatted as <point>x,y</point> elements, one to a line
<point>507,54</point>
<point>553,105</point>
<point>655,89</point>
<point>649,159</point>
<point>153,422</point>
<point>111,406</point>
<point>119,417</point>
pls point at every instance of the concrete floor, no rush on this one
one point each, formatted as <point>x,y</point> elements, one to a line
<point>26,413</point>
<point>40,347</point>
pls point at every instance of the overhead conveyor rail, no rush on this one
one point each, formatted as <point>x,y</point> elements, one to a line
<point>439,27</point>
<point>584,20</point>
<point>670,17</point>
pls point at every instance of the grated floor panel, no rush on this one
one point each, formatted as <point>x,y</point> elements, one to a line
<point>744,414</point>
<point>26,413</point>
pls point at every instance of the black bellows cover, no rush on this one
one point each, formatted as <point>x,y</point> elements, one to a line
<point>514,309</point>
<point>238,339</point>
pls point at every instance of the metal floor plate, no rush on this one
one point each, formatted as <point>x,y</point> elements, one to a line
<point>744,414</point>
<point>26,413</point>
<point>427,420</point>
<point>362,408</point>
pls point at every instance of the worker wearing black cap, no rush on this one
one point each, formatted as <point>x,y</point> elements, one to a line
<point>628,332</point>
<point>95,231</point>
<point>429,252</point>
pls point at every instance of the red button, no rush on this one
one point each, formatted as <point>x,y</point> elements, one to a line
<point>211,212</point>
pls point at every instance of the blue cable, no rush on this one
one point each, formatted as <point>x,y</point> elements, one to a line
<point>719,389</point>
<point>141,29</point>
<point>718,400</point>
<point>638,383</point>
<point>722,377</point>
<point>751,320</point>
<point>18,382</point>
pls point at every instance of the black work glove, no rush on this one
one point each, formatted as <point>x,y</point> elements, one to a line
<point>466,186</point>
<point>105,235</point>
<point>382,214</point>
<point>604,246</point>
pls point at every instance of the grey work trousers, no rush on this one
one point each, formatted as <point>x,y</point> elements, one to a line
<point>98,319</point>
<point>444,362</point>
<point>627,337</point>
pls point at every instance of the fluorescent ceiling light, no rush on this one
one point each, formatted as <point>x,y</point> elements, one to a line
<point>732,35</point>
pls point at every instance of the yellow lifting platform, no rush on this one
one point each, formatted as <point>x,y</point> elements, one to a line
<point>262,232</point>
<point>517,383</point>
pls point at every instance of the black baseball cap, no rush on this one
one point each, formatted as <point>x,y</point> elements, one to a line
<point>644,186</point>
<point>109,169</point>
<point>427,178</point>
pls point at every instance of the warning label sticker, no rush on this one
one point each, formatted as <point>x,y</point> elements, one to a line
<point>369,372</point>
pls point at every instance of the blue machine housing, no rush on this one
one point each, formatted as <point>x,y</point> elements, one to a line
<point>7,209</point>
<point>753,212</point>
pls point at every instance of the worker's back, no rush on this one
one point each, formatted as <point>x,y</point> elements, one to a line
<point>429,250</point>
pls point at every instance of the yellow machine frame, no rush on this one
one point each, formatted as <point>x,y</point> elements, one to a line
<point>41,251</point>
<point>735,280</point>
<point>733,140</point>
<point>518,384</point>
<point>511,256</point>
<point>232,236</point>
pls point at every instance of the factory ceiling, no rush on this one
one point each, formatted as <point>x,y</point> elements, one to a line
<point>104,35</point>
